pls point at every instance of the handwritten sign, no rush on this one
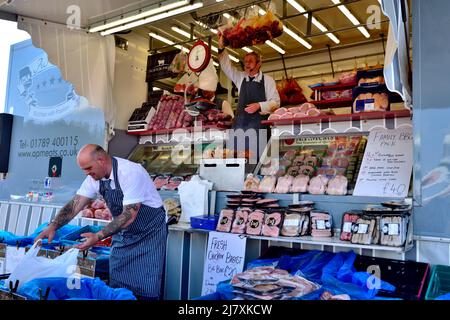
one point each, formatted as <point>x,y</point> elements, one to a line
<point>387,164</point>
<point>224,258</point>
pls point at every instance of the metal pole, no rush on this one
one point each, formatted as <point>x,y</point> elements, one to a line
<point>284,66</point>
<point>323,62</point>
<point>331,59</point>
<point>382,42</point>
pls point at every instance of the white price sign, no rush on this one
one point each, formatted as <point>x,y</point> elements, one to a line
<point>224,258</point>
<point>387,164</point>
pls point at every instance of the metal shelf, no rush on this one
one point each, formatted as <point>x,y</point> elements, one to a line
<point>332,241</point>
<point>335,87</point>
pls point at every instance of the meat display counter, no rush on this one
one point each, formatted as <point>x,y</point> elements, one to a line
<point>174,160</point>
<point>328,156</point>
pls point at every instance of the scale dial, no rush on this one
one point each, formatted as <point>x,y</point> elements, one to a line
<point>199,56</point>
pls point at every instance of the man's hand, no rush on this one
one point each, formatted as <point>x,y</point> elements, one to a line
<point>49,233</point>
<point>252,107</point>
<point>91,240</point>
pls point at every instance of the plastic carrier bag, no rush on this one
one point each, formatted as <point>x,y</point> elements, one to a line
<point>252,29</point>
<point>67,289</point>
<point>178,64</point>
<point>32,267</point>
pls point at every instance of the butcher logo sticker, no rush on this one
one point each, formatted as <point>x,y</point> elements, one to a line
<point>254,224</point>
<point>224,220</point>
<point>240,221</point>
<point>271,222</point>
<point>47,95</point>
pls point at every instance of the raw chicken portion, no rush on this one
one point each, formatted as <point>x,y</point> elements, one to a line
<point>300,183</point>
<point>284,184</point>
<point>318,185</point>
<point>268,184</point>
<point>337,186</point>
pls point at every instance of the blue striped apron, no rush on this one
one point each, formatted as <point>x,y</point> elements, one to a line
<point>138,251</point>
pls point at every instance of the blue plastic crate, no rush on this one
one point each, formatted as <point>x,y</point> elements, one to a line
<point>204,222</point>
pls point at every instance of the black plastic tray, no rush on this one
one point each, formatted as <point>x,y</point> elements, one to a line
<point>409,277</point>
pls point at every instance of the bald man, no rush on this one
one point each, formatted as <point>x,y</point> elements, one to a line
<point>139,226</point>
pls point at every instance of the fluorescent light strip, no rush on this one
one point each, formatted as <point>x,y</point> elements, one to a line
<point>296,37</point>
<point>153,18</point>
<point>275,47</point>
<point>169,42</point>
<point>319,25</point>
<point>141,15</point>
<point>247,49</point>
<point>215,64</point>
<point>289,32</point>
<point>213,48</point>
<point>156,89</point>
<point>352,18</point>
<point>206,27</point>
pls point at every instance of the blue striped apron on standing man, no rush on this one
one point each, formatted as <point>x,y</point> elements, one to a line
<point>138,251</point>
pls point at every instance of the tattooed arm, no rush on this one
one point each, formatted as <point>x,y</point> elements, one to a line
<point>122,221</point>
<point>67,213</point>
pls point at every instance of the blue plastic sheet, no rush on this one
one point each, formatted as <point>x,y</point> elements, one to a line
<point>310,264</point>
<point>335,272</point>
<point>60,289</point>
<point>262,263</point>
<point>340,275</point>
<point>23,241</point>
<point>444,297</point>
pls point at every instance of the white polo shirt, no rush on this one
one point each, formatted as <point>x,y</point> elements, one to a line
<point>135,182</point>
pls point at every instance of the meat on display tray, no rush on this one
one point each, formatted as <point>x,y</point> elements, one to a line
<point>342,117</point>
<point>226,125</point>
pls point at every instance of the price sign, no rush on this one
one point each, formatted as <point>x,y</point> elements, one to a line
<point>387,164</point>
<point>224,258</point>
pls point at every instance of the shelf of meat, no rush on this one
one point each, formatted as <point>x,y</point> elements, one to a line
<point>171,116</point>
<point>333,242</point>
<point>362,116</point>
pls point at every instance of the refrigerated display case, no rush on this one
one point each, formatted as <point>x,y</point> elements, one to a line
<point>327,155</point>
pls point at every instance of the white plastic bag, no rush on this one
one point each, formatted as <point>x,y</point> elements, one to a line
<point>208,79</point>
<point>33,267</point>
<point>194,198</point>
<point>13,257</point>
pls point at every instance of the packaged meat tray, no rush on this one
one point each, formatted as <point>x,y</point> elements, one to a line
<point>367,102</point>
<point>240,221</point>
<point>255,223</point>
<point>300,184</point>
<point>272,223</point>
<point>393,230</point>
<point>349,220</point>
<point>364,230</point>
<point>292,224</point>
<point>225,220</point>
<point>321,224</point>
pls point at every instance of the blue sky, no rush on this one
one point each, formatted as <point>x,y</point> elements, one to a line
<point>9,34</point>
